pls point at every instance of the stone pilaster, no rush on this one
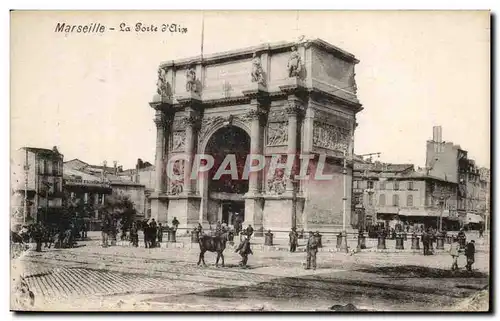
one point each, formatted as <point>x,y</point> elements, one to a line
<point>253,199</point>
<point>191,128</point>
<point>160,121</point>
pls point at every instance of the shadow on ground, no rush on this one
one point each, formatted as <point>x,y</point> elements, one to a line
<point>422,272</point>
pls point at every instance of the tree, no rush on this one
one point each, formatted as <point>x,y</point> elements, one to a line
<point>75,209</point>
<point>119,207</point>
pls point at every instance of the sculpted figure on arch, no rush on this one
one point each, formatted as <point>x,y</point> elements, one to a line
<point>294,65</point>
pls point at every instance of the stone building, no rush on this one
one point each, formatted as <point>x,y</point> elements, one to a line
<point>450,162</point>
<point>397,193</point>
<point>273,99</point>
<point>37,182</point>
<point>93,183</point>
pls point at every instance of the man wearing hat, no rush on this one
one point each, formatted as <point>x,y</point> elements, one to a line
<point>470,250</point>
<point>318,239</point>
<point>293,236</point>
<point>312,250</point>
<point>244,249</point>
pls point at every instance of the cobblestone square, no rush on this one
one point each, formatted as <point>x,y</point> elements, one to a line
<point>89,277</point>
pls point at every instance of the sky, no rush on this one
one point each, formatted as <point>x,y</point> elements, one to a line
<point>88,94</point>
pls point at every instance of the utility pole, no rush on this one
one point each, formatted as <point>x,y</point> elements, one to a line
<point>343,244</point>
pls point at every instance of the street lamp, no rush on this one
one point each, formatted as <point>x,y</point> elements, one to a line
<point>441,201</point>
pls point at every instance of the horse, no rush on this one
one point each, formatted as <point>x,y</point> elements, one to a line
<point>213,244</point>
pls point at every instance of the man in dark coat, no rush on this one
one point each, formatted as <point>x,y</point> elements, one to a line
<point>160,233</point>
<point>470,251</point>
<point>426,242</point>
<point>249,231</point>
<point>38,236</point>
<point>175,223</point>
<point>293,237</point>
<point>152,237</point>
<point>312,250</point>
<point>462,239</point>
<point>244,250</point>
<point>105,228</point>
<point>134,235</point>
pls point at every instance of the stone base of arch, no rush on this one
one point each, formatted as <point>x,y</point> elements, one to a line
<point>159,207</point>
<point>254,206</point>
<point>186,209</point>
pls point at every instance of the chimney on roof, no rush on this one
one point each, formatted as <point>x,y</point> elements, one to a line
<point>115,168</point>
<point>103,172</point>
<point>437,137</point>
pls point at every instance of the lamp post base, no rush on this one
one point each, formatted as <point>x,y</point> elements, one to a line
<point>343,243</point>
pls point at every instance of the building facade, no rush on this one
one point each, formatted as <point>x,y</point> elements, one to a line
<point>92,184</point>
<point>396,193</point>
<point>450,162</point>
<point>285,99</point>
<point>37,185</point>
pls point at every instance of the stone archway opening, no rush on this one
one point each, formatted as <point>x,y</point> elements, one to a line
<point>225,191</point>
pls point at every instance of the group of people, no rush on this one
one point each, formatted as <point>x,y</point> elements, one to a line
<point>153,232</point>
<point>40,233</point>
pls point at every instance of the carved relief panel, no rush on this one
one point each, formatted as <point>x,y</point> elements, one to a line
<point>331,137</point>
<point>277,134</point>
<point>176,186</point>
<point>178,141</point>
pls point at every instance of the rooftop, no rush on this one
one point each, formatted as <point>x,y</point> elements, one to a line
<point>247,52</point>
<point>383,167</point>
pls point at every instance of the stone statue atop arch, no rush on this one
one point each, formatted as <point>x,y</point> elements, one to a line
<point>161,84</point>
<point>257,71</point>
<point>191,80</point>
<point>294,65</point>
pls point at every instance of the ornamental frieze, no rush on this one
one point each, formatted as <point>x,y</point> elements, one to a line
<point>277,115</point>
<point>331,137</point>
<point>180,123</point>
<point>277,134</point>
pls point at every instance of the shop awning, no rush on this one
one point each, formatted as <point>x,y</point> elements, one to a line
<point>474,218</point>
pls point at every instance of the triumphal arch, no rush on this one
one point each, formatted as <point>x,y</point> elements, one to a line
<point>295,100</point>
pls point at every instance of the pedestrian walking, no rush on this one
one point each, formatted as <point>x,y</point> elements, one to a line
<point>153,232</point>
<point>147,234</point>
<point>455,253</point>
<point>105,228</point>
<point>293,237</point>
<point>481,231</point>
<point>312,250</point>
<point>134,235</point>
<point>38,236</point>
<point>462,239</point>
<point>244,250</point>
<point>160,233</point>
<point>425,242</point>
<point>470,251</point>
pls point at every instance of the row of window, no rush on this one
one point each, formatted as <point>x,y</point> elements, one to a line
<point>47,167</point>
<point>89,198</point>
<point>395,200</point>
<point>382,185</point>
